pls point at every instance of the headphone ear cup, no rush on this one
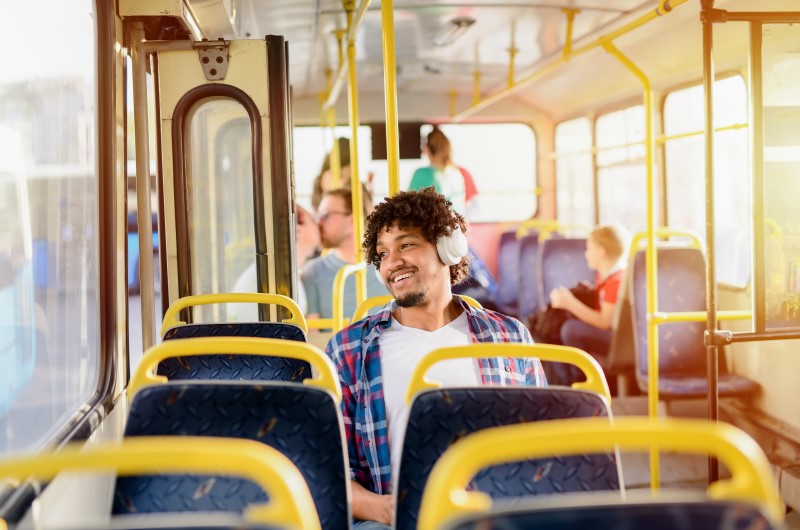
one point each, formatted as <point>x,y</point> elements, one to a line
<point>453,247</point>
<point>378,275</point>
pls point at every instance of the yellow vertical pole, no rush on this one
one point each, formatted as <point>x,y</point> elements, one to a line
<point>355,182</point>
<point>570,12</point>
<point>452,94</point>
<point>476,88</point>
<point>390,96</point>
<point>335,158</point>
<point>512,52</point>
<point>651,256</point>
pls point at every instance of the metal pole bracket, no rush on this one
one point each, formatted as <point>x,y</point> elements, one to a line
<point>213,57</point>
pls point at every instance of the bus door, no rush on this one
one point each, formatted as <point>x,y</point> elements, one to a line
<point>225,185</point>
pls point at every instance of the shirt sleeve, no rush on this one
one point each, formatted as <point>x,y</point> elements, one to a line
<point>337,351</point>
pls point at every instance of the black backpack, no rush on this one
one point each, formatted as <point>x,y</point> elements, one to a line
<point>545,325</point>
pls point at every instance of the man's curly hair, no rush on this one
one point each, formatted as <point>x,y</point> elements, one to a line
<point>426,210</point>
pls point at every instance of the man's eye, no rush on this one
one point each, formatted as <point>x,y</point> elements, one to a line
<point>406,245</point>
<point>383,254</point>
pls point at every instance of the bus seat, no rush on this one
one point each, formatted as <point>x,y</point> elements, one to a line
<point>262,468</point>
<point>302,421</point>
<point>528,290</point>
<point>682,353</point>
<point>439,417</point>
<point>244,367</point>
<point>749,499</point>
<point>581,514</point>
<point>508,272</point>
<point>620,360</point>
<point>562,264</point>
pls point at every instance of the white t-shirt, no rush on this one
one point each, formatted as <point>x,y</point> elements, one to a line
<point>401,350</point>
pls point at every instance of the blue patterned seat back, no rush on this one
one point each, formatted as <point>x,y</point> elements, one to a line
<point>508,269</point>
<point>682,354</point>
<point>708,515</point>
<point>236,367</point>
<point>562,264</point>
<point>301,422</point>
<point>438,418</point>
<point>528,275</point>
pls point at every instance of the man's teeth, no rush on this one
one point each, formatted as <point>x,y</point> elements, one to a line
<point>403,277</point>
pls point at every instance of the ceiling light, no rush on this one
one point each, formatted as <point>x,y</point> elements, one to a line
<point>450,32</point>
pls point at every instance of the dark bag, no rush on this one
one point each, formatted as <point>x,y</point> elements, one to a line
<point>545,325</point>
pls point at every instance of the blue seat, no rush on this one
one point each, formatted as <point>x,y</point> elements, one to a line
<point>238,367</point>
<point>651,515</point>
<point>749,499</point>
<point>438,418</point>
<point>682,353</point>
<point>562,264</point>
<point>508,272</point>
<point>302,422</point>
<point>528,276</point>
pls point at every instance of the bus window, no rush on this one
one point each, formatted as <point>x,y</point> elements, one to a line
<point>574,172</point>
<point>685,170</point>
<point>621,171</point>
<point>220,182</point>
<point>781,99</point>
<point>48,103</point>
<point>502,159</point>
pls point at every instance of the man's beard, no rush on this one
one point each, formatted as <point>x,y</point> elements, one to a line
<point>411,299</point>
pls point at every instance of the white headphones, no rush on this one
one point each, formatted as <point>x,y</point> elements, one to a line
<point>453,247</point>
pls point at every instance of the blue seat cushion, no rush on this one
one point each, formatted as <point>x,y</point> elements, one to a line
<point>301,422</point>
<point>708,515</point>
<point>439,418</point>
<point>236,367</point>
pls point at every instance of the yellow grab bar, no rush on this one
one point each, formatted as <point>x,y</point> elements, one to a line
<point>290,502</point>
<point>595,380</point>
<point>661,317</point>
<point>665,232</point>
<point>384,299</point>
<point>445,496</point>
<point>171,316</point>
<point>325,378</point>
<point>547,227</point>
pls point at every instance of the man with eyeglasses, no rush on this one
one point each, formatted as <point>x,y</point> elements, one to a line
<point>335,220</point>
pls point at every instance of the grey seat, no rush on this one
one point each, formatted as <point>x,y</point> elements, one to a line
<point>682,353</point>
<point>562,264</point>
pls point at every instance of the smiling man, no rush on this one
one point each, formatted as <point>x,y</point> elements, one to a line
<point>416,242</point>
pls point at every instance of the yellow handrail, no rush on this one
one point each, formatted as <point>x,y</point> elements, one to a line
<point>338,321</point>
<point>446,498</point>
<point>664,232</point>
<point>171,316</point>
<point>595,380</point>
<point>384,299</point>
<point>290,503</point>
<point>550,67</point>
<point>390,96</point>
<point>651,256</point>
<point>326,376</point>
<point>547,227</point>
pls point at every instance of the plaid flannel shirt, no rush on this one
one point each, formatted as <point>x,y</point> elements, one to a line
<point>355,351</point>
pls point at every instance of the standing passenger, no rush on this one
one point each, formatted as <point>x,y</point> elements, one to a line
<point>442,174</point>
<point>416,240</point>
